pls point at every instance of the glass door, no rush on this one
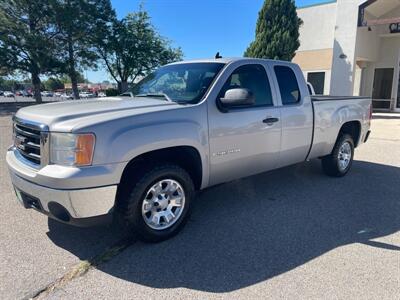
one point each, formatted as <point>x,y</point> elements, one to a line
<point>382,88</point>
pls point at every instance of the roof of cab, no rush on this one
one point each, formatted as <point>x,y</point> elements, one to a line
<point>224,60</point>
<point>207,60</point>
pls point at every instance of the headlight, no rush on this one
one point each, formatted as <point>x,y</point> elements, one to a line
<point>71,149</point>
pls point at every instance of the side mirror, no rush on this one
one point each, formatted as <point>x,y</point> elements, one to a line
<point>237,97</point>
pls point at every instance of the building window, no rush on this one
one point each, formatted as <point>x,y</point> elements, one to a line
<point>317,79</point>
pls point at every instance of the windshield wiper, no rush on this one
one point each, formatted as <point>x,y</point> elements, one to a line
<point>158,95</point>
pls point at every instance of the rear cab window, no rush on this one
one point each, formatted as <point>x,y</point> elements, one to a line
<point>288,85</point>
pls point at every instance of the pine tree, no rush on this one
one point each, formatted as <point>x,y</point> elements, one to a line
<point>277,31</point>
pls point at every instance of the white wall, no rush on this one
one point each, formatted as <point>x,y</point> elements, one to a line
<point>358,73</point>
<point>367,48</point>
<point>368,79</point>
<point>388,56</point>
<point>394,13</point>
<point>318,29</point>
<point>317,33</point>
<point>345,46</point>
<point>389,52</point>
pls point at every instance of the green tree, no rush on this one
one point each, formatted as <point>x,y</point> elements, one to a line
<point>79,22</point>
<point>134,48</point>
<point>53,84</point>
<point>27,39</point>
<point>80,78</point>
<point>7,84</point>
<point>3,70</point>
<point>277,31</point>
<point>3,77</point>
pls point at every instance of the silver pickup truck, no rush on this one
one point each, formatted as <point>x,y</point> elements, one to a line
<point>140,159</point>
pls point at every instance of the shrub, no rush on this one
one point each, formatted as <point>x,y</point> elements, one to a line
<point>112,92</point>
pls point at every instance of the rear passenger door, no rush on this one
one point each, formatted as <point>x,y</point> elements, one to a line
<point>242,142</point>
<point>296,113</point>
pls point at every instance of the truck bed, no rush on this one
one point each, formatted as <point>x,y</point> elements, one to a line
<point>316,98</point>
<point>330,113</point>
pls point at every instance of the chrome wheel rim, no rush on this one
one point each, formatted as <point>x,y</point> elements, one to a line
<point>344,156</point>
<point>163,204</point>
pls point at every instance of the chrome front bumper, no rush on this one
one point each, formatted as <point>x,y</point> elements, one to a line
<point>82,203</point>
<point>65,204</point>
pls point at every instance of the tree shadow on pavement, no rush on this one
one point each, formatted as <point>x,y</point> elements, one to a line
<point>253,229</point>
<point>85,243</point>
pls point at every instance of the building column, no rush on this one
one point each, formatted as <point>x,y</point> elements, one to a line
<point>343,63</point>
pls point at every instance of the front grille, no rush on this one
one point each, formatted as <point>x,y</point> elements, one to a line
<point>27,141</point>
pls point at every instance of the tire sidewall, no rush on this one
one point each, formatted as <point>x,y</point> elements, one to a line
<point>345,138</point>
<point>134,219</point>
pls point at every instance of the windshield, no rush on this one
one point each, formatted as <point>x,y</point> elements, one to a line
<point>184,83</point>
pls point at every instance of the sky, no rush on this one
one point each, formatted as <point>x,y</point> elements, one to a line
<point>199,27</point>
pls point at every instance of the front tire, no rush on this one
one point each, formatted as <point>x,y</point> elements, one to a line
<point>156,206</point>
<point>339,162</point>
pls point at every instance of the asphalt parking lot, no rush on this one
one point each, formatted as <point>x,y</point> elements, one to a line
<point>288,234</point>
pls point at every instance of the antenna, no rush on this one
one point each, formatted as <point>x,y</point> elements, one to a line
<point>217,56</point>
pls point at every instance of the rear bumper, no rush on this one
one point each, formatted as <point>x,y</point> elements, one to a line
<point>367,136</point>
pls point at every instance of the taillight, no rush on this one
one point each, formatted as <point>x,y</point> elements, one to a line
<point>370,111</point>
<point>370,114</point>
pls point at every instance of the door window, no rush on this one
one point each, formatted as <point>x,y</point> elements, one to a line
<point>254,78</point>
<point>287,81</point>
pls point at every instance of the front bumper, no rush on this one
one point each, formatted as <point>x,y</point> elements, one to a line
<point>77,206</point>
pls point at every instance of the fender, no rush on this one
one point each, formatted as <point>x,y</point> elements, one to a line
<point>122,140</point>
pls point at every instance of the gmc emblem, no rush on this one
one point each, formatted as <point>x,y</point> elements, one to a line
<point>19,142</point>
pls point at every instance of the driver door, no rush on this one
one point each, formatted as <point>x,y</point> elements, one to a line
<point>244,140</point>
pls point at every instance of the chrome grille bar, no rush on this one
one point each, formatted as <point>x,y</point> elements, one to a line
<point>29,133</point>
<point>27,139</point>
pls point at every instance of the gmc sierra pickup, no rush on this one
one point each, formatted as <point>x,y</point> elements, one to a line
<point>189,125</point>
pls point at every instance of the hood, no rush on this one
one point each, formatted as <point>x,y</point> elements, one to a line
<point>57,112</point>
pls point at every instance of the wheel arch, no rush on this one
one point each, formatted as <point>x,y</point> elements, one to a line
<point>353,128</point>
<point>187,157</point>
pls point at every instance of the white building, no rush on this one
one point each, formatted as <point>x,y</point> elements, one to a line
<point>352,47</point>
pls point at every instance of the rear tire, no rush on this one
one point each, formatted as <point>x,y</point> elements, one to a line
<point>156,205</point>
<point>339,162</point>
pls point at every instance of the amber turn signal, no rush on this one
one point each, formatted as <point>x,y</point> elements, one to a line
<point>84,149</point>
